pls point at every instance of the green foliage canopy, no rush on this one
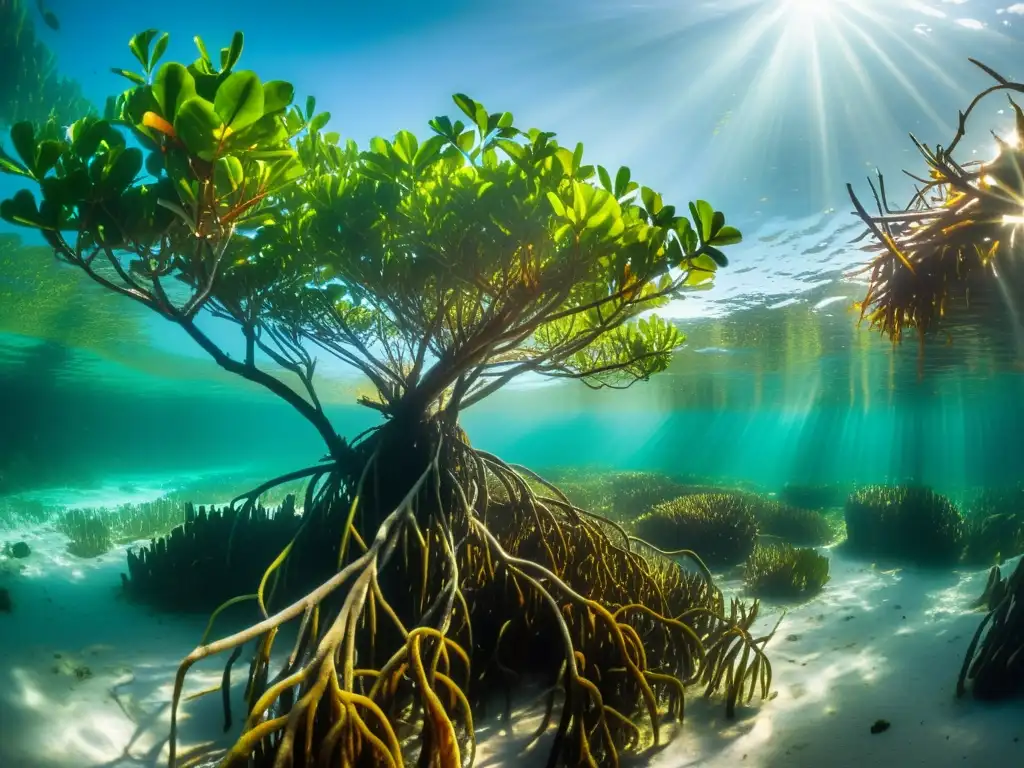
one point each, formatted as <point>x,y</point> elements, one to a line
<point>441,269</point>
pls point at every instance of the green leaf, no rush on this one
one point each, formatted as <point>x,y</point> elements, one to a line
<point>442,126</point>
<point>562,232</point>
<point>606,180</point>
<point>556,204</point>
<point>21,210</point>
<point>284,171</point>
<point>621,182</point>
<point>703,215</point>
<point>428,151</point>
<point>180,172</point>
<point>466,104</point>
<point>203,55</point>
<point>228,174</point>
<point>139,45</point>
<point>172,87</point>
<point>137,103</point>
<point>158,49</point>
<point>268,130</point>
<point>698,277</point>
<point>582,196</point>
<point>564,157</point>
<point>133,76</point>
<point>317,123</point>
<point>122,171</point>
<point>310,107</point>
<point>23,136</point>
<point>197,124</point>
<point>270,154</point>
<point>717,222</point>
<point>239,100</point>
<point>87,134</point>
<point>234,52</point>
<point>717,255</point>
<point>277,96</point>
<point>727,236</point>
<point>405,146</point>
<point>605,206</point>
<point>47,154</point>
<point>652,200</point>
<point>9,165</point>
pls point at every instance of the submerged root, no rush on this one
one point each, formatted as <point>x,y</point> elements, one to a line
<point>461,593</point>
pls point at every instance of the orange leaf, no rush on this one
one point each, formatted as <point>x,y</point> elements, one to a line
<point>157,123</point>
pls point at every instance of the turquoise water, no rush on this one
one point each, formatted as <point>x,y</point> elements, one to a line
<point>794,393</point>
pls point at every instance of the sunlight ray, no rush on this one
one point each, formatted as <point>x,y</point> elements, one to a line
<point>825,146</point>
<point>899,76</point>
<point>881,24</point>
<point>770,44</point>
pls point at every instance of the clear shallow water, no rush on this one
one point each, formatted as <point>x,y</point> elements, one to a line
<point>791,393</point>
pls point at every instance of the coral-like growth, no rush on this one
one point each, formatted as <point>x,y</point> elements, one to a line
<point>624,495</point>
<point>216,555</point>
<point>793,524</point>
<point>908,523</point>
<point>222,488</point>
<point>992,667</point>
<point>88,532</point>
<point>93,532</point>
<point>147,520</point>
<point>813,496</point>
<point>720,527</point>
<point>782,571</point>
<point>995,526</point>
<point>634,493</point>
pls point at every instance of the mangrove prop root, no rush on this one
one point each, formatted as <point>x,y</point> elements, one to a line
<point>493,588</point>
<point>958,222</point>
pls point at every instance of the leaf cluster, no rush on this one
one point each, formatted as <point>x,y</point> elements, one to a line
<point>442,269</point>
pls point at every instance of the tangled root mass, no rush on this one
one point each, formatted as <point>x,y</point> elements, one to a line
<point>461,592</point>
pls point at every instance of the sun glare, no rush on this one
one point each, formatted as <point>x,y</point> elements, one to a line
<point>806,90</point>
<point>809,9</point>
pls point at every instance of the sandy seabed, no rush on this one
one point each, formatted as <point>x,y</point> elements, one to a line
<point>85,678</point>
